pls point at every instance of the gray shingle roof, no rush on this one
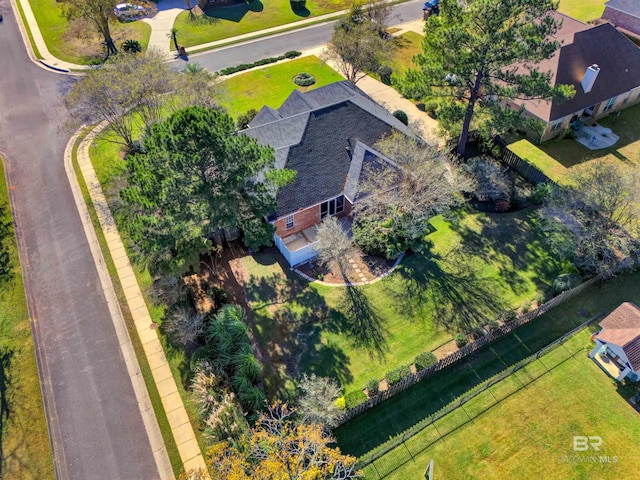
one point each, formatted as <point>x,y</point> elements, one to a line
<point>317,134</point>
<point>630,7</point>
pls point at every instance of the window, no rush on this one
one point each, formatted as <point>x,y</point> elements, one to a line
<point>609,104</point>
<point>555,126</point>
<point>289,222</point>
<point>332,207</point>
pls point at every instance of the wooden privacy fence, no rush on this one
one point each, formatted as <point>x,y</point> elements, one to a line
<point>465,351</point>
<point>526,170</point>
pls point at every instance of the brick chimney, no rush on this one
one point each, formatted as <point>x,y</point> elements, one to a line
<point>589,78</point>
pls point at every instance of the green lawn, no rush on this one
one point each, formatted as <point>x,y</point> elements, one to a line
<point>81,46</point>
<point>249,17</point>
<point>25,452</point>
<point>390,418</point>
<point>583,10</point>
<point>529,435</point>
<point>557,158</point>
<point>479,266</point>
<point>272,85</point>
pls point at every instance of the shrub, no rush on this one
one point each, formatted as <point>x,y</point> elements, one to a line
<point>402,116</point>
<point>425,360</point>
<point>542,193</point>
<point>298,4</point>
<point>385,72</point>
<point>353,399</point>
<point>461,340</point>
<point>397,375</point>
<point>258,63</point>
<point>292,54</point>
<point>245,118</point>
<point>131,46</point>
<point>493,324</point>
<point>373,387</point>
<point>477,332</point>
<point>431,108</point>
<point>304,79</point>
<point>566,281</point>
<point>509,315</point>
<point>526,306</point>
<point>540,298</point>
<point>341,403</point>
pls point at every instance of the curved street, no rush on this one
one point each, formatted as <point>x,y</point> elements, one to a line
<point>95,423</point>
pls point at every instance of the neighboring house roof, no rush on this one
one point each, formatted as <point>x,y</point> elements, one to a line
<point>630,7</point>
<point>622,327</point>
<point>324,135</point>
<point>582,46</point>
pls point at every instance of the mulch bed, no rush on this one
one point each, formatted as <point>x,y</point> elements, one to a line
<point>370,267</point>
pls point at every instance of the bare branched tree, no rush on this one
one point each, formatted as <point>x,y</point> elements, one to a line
<point>334,246</point>
<point>185,325</point>
<point>317,401</point>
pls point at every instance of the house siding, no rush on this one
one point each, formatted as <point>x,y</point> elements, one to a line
<point>632,97</point>
<point>305,218</point>
<point>620,19</point>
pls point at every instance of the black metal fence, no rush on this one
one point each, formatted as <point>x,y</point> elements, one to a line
<point>405,447</point>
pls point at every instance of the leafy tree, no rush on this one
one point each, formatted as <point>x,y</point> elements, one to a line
<point>99,13</point>
<point>358,44</point>
<point>317,401</point>
<point>195,177</point>
<point>280,449</point>
<point>597,216</point>
<point>481,53</point>
<point>334,247</point>
<point>131,46</point>
<point>245,118</point>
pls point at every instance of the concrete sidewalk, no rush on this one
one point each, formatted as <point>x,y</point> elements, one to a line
<point>171,401</point>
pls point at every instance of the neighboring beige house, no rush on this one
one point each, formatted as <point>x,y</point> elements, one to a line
<point>624,14</point>
<point>326,136</point>
<point>603,66</point>
<point>617,349</point>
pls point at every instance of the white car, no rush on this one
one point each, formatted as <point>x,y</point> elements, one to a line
<point>128,10</point>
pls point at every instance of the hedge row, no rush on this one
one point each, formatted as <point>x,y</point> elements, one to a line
<point>258,63</point>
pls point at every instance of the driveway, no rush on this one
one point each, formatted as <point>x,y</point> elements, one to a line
<point>95,424</point>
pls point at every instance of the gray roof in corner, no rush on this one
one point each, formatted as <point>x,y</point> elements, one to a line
<point>315,135</point>
<point>630,7</point>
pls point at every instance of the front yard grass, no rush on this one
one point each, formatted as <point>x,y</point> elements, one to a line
<point>530,434</point>
<point>583,10</point>
<point>477,266</point>
<point>248,17</point>
<point>272,85</point>
<point>69,47</point>
<point>25,451</point>
<point>557,158</point>
<point>374,427</point>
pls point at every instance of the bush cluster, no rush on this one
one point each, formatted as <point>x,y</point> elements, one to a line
<point>258,63</point>
<point>353,399</point>
<point>385,72</point>
<point>402,116</point>
<point>425,360</point>
<point>396,375</point>
<point>298,4</point>
<point>461,340</point>
<point>373,386</point>
<point>566,281</point>
<point>304,79</point>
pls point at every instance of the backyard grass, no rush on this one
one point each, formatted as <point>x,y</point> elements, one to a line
<point>557,158</point>
<point>25,452</point>
<point>81,47</point>
<point>530,434</point>
<point>374,427</point>
<point>226,22</point>
<point>583,10</point>
<point>272,85</point>
<point>478,266</point>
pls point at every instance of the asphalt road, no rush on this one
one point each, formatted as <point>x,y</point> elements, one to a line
<point>95,424</point>
<point>305,39</point>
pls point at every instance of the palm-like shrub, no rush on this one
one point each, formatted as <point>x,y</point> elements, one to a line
<point>131,46</point>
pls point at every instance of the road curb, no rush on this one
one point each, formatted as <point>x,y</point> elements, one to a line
<point>57,69</point>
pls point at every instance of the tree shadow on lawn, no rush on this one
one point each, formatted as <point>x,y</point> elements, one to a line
<point>460,300</point>
<point>513,242</point>
<point>234,13</point>
<point>6,356</point>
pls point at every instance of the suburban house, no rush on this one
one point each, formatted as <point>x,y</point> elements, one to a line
<point>623,14</point>
<point>617,349</point>
<point>326,136</point>
<point>603,66</point>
